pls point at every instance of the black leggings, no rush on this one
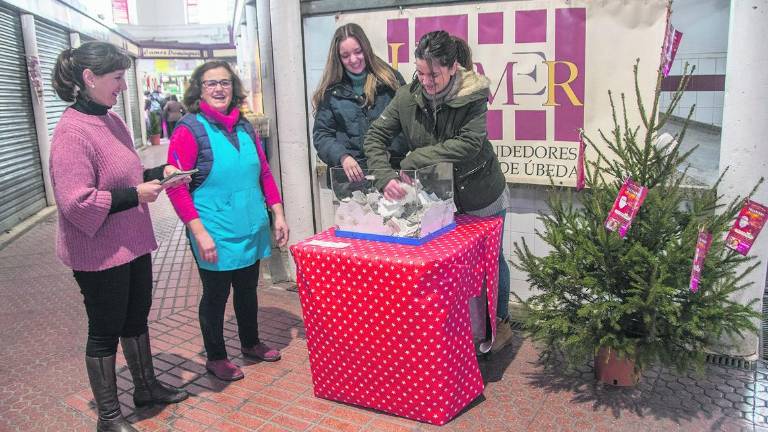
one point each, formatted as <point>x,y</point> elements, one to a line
<point>117,301</point>
<point>214,300</point>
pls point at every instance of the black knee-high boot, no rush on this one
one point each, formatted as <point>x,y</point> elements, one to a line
<point>101,374</point>
<point>148,390</point>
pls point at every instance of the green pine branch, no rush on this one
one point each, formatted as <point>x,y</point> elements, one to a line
<point>595,289</point>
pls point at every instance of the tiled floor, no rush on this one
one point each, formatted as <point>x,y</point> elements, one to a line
<point>43,385</point>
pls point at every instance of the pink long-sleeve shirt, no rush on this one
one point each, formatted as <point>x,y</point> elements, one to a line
<point>184,145</point>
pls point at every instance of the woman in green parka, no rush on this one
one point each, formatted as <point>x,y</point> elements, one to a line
<point>442,115</point>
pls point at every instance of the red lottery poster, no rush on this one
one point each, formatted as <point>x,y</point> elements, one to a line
<point>625,208</point>
<point>702,248</point>
<point>746,227</point>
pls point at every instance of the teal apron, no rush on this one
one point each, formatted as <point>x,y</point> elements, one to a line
<point>231,205</point>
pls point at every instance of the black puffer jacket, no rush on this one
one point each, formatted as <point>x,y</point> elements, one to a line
<point>341,123</point>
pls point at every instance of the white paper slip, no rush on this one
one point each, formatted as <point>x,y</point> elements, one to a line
<point>322,243</point>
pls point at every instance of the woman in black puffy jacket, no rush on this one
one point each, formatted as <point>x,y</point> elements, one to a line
<point>356,87</point>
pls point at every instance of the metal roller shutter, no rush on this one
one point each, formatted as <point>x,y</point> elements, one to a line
<point>136,107</point>
<point>119,107</point>
<point>51,41</point>
<point>21,176</point>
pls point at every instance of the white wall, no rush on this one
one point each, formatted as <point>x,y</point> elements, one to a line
<point>160,13</point>
<point>166,21</point>
<point>321,29</point>
<point>100,9</point>
<point>704,24</point>
<point>187,33</point>
<point>743,147</point>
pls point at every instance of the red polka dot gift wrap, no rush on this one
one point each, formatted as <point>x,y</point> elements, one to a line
<point>388,325</point>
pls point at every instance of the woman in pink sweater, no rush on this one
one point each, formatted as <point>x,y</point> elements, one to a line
<point>105,233</point>
<point>224,209</point>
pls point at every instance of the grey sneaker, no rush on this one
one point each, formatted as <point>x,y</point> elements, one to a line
<point>503,335</point>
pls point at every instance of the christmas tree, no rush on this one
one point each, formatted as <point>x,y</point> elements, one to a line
<point>632,294</point>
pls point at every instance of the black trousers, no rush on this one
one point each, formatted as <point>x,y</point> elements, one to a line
<point>117,301</point>
<point>216,286</point>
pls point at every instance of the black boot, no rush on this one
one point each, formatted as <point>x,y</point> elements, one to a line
<point>148,390</point>
<point>101,374</point>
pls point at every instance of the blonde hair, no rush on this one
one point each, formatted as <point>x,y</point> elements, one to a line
<point>378,70</point>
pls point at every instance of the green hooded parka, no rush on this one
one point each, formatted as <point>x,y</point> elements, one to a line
<point>454,131</point>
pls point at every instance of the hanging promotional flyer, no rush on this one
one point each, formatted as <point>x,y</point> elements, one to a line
<point>625,208</point>
<point>703,244</point>
<point>746,227</point>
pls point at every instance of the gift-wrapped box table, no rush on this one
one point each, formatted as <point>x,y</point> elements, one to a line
<point>388,325</point>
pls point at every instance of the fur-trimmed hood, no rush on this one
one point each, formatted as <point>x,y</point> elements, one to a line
<point>469,87</point>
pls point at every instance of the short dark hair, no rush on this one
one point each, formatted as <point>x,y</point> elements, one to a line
<point>437,45</point>
<point>100,57</point>
<point>195,89</point>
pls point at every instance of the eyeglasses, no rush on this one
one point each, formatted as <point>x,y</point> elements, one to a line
<point>211,84</point>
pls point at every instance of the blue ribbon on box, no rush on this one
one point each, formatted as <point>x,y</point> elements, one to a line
<point>392,239</point>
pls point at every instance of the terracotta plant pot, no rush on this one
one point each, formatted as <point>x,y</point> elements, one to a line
<point>154,139</point>
<point>614,370</point>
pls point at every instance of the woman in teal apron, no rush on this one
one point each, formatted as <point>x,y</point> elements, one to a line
<point>225,210</point>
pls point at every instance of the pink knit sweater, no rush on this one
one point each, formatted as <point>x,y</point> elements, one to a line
<point>91,155</point>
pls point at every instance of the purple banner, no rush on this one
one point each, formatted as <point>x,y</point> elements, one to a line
<point>531,26</point>
<point>570,39</point>
<point>397,33</point>
<point>495,121</point>
<point>490,28</point>
<point>530,125</point>
<point>457,25</point>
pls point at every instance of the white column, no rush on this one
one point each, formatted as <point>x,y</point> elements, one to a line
<point>140,98</point>
<point>243,63</point>
<point>127,107</point>
<point>38,105</point>
<point>251,53</point>
<point>291,114</point>
<point>743,148</point>
<point>140,89</point>
<point>267,74</point>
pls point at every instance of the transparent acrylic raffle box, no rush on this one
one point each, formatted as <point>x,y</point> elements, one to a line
<point>426,211</point>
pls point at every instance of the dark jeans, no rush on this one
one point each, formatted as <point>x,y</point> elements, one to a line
<point>215,294</point>
<point>117,301</point>
<point>502,305</point>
